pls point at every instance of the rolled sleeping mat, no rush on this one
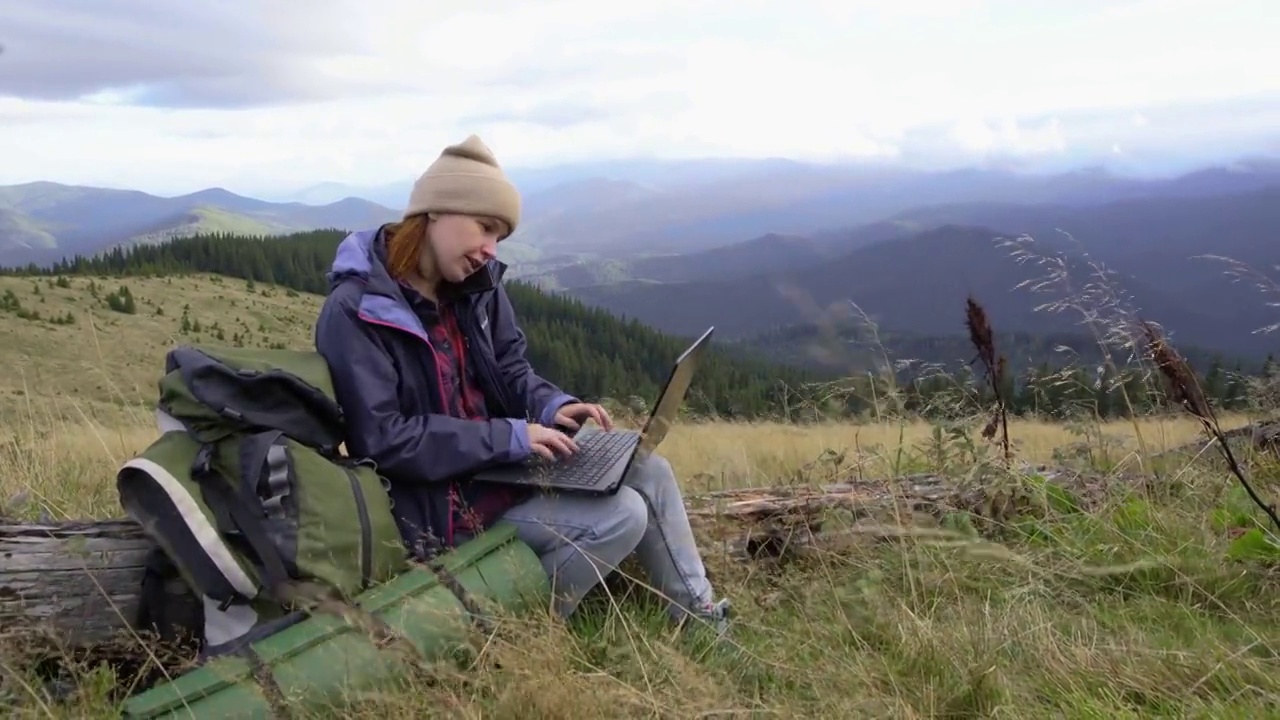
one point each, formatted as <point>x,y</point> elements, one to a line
<point>326,661</point>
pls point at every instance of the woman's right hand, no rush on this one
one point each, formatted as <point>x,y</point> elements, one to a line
<point>549,442</point>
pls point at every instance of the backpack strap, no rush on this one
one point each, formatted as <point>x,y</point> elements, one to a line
<point>429,550</point>
<point>237,506</point>
<point>264,451</point>
<point>266,679</point>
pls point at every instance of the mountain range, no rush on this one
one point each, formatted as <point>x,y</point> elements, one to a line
<point>44,221</point>
<point>757,246</point>
<point>631,219</point>
<point>912,273</point>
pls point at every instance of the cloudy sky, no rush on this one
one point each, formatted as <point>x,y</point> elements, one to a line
<point>267,96</point>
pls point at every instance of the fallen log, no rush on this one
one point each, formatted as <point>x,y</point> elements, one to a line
<point>1263,436</point>
<point>776,521</point>
<point>1266,437</point>
<point>77,582</point>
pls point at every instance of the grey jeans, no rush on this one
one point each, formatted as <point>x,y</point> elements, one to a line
<point>581,539</point>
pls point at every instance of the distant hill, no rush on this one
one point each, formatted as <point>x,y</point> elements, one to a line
<point>203,219</point>
<point>916,284</point>
<point>20,236</point>
<point>585,212</point>
<point>660,174</point>
<point>630,208</point>
<point>1155,238</point>
<point>1160,242</point>
<point>702,211</point>
<point>42,221</point>
<point>769,253</point>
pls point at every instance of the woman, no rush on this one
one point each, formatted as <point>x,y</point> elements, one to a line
<point>428,363</point>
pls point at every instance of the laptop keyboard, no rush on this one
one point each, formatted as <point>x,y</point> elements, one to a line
<point>596,453</point>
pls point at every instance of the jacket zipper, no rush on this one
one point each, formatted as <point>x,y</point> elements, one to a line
<point>485,367</point>
<point>435,359</point>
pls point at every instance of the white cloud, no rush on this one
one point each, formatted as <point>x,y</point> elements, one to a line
<point>978,136</point>
<point>259,98</point>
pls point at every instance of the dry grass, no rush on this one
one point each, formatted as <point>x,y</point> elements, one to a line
<point>104,367</point>
<point>1130,612</point>
<point>65,470</point>
<point>1135,610</point>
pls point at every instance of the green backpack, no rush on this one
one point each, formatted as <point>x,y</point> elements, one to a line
<point>247,496</point>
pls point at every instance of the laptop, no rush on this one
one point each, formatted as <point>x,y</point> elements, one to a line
<point>604,456</point>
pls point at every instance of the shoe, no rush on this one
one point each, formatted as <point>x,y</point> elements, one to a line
<point>714,614</point>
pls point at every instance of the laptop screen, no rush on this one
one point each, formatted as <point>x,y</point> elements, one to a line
<point>667,409</point>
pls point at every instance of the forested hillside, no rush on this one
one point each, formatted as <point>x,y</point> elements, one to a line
<point>586,350</point>
<point>598,355</point>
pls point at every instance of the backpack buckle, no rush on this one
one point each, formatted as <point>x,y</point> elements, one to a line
<point>203,462</point>
<point>234,598</point>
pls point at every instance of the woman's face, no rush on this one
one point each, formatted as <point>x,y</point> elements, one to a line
<point>462,244</point>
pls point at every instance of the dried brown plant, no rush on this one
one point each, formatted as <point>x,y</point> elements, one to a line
<point>1185,390</point>
<point>983,340</point>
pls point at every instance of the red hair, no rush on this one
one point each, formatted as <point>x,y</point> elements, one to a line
<point>405,238</point>
<point>404,245</point>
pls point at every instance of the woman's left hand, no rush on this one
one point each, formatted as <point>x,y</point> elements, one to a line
<point>573,415</point>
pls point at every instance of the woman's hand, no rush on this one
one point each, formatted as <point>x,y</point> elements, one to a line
<point>549,442</point>
<point>573,415</point>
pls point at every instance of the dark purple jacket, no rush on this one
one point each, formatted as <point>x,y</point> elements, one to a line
<point>386,378</point>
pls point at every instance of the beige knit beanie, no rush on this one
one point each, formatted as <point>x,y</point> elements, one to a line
<point>466,179</point>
